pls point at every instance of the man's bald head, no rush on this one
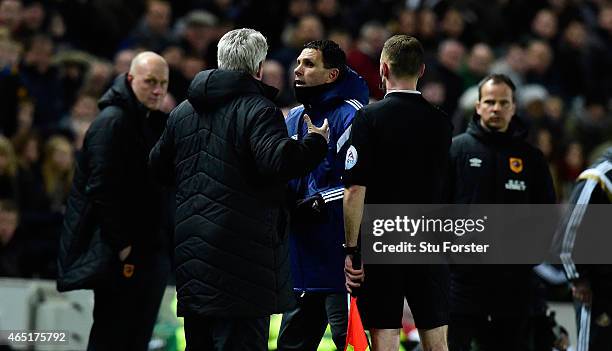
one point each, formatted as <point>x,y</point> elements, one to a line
<point>148,77</point>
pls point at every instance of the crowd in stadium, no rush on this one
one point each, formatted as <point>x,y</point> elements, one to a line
<point>58,57</point>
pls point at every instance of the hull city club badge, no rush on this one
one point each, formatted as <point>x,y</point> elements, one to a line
<point>516,164</point>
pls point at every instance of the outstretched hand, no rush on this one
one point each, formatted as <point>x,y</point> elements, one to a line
<point>324,130</point>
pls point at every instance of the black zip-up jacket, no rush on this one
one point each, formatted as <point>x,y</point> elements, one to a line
<point>498,168</point>
<point>495,168</point>
<point>227,150</point>
<point>113,194</point>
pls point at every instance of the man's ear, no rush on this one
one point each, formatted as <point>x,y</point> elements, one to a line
<point>130,78</point>
<point>259,74</point>
<point>385,70</point>
<point>421,70</point>
<point>333,75</point>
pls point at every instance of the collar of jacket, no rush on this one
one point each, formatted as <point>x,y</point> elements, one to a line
<point>212,88</point>
<point>120,94</point>
<point>350,86</point>
<point>516,131</point>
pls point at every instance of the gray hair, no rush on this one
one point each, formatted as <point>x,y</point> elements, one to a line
<point>242,50</point>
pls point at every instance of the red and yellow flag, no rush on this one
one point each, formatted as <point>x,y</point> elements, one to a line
<point>356,339</point>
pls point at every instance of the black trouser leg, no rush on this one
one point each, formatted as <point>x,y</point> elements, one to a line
<point>336,306</point>
<point>126,310</point>
<point>303,327</point>
<point>226,334</point>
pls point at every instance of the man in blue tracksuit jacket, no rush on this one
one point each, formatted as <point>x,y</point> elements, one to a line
<point>328,89</point>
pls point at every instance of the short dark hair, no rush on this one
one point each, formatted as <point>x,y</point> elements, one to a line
<point>332,54</point>
<point>497,78</point>
<point>7,205</point>
<point>404,54</point>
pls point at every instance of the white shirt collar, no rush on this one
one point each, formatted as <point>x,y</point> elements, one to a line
<point>407,91</point>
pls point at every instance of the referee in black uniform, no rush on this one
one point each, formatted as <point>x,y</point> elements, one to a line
<point>398,154</point>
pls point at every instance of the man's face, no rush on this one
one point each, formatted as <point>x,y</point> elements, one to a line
<point>8,225</point>
<point>495,106</point>
<point>310,70</point>
<point>150,83</point>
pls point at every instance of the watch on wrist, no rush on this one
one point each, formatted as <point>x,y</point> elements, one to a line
<point>350,250</point>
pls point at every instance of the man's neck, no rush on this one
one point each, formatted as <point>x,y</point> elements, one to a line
<point>401,84</point>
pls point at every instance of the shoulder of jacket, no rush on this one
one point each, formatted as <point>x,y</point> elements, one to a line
<point>295,112</point>
<point>110,116</point>
<point>181,111</point>
<point>352,105</point>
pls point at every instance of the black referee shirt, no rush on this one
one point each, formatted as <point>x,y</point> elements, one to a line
<point>399,150</point>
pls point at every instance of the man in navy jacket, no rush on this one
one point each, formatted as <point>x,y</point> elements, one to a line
<point>327,88</point>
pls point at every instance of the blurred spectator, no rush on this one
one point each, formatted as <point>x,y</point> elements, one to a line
<point>76,123</point>
<point>364,57</point>
<point>11,14</point>
<point>8,171</point>
<point>434,92</point>
<point>512,64</point>
<point>477,65</point>
<point>25,116</point>
<point>572,163</point>
<point>73,66</point>
<point>572,60</point>
<point>122,60</point>
<point>99,76</point>
<point>427,31</point>
<point>196,32</point>
<point>406,23</point>
<point>181,76</point>
<point>11,249</point>
<point>42,80</point>
<point>446,69</point>
<point>599,67</point>
<point>329,13</point>
<point>453,26</point>
<point>544,26</point>
<point>274,75</point>
<point>298,9</point>
<point>591,125</point>
<point>33,20</point>
<point>342,37</point>
<point>540,66</point>
<point>153,30</point>
<point>26,148</point>
<point>307,29</point>
<point>57,171</point>
<point>12,90</point>
<point>173,54</point>
<point>33,202</point>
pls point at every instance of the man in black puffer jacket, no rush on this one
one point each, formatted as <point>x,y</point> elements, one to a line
<point>492,164</point>
<point>117,222</point>
<point>227,151</point>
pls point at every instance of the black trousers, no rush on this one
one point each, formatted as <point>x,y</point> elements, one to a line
<point>126,310</point>
<point>303,328</point>
<point>488,333</point>
<point>226,334</point>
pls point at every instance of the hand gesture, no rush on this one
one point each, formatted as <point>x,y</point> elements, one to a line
<point>324,130</point>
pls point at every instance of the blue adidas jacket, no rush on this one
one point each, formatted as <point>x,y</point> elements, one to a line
<point>317,256</point>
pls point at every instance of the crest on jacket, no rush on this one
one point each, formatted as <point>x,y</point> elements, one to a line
<point>128,270</point>
<point>516,164</point>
